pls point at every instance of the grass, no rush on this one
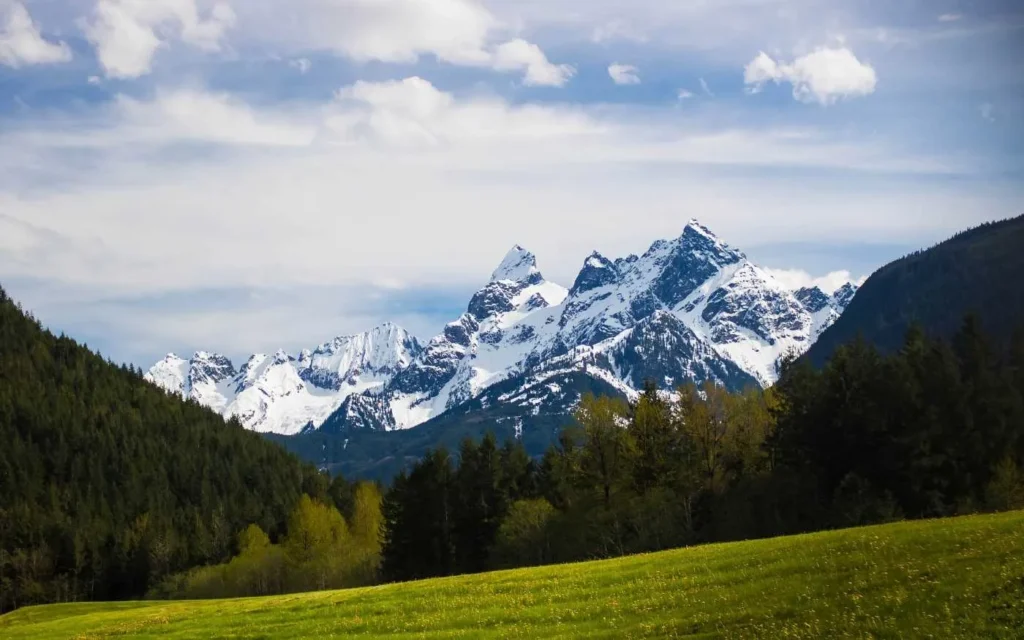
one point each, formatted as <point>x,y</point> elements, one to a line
<point>955,578</point>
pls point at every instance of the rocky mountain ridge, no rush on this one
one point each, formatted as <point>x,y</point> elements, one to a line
<point>690,308</point>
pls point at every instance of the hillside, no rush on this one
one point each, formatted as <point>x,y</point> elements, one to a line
<point>107,483</point>
<point>961,577</point>
<point>977,271</point>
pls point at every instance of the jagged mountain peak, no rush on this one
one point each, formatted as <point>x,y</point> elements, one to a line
<point>690,308</point>
<point>206,370</point>
<point>516,285</point>
<point>813,298</point>
<point>281,357</point>
<point>697,237</point>
<point>386,336</point>
<point>597,271</point>
<point>210,360</point>
<point>518,265</point>
<point>843,295</point>
<point>284,393</point>
<point>694,225</point>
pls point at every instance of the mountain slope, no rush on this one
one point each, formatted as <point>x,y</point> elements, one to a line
<point>977,271</point>
<point>107,484</point>
<point>534,414</point>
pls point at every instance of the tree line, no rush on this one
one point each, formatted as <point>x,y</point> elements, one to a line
<point>108,484</point>
<point>323,548</point>
<point>112,489</point>
<point>933,429</point>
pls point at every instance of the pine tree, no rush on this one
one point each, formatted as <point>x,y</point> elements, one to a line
<point>608,448</point>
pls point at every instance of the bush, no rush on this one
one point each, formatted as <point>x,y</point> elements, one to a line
<point>1006,489</point>
<point>319,552</point>
<point>524,536</point>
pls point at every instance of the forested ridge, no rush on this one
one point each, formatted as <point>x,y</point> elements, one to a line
<point>978,271</point>
<point>107,483</point>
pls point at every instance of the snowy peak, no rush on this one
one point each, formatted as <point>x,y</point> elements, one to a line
<point>693,226</point>
<point>515,286</point>
<point>209,369</point>
<point>598,271</point>
<point>381,352</point>
<point>170,374</point>
<point>519,266</point>
<point>284,393</point>
<point>691,260</point>
<point>691,308</point>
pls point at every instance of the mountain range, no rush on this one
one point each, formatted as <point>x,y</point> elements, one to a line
<point>689,309</point>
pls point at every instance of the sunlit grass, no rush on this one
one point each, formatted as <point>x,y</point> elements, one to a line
<point>955,578</point>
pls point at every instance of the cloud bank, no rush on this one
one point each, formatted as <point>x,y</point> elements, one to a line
<point>823,76</point>
<point>21,43</point>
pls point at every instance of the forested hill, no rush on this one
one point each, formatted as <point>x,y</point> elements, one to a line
<point>979,271</point>
<point>107,483</point>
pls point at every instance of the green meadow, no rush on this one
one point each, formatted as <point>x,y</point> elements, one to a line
<point>952,578</point>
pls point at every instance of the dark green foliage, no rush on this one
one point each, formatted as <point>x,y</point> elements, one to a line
<point>919,432</point>
<point>935,428</point>
<point>480,502</point>
<point>107,483</point>
<point>977,271</point>
<point>440,520</point>
<point>418,521</point>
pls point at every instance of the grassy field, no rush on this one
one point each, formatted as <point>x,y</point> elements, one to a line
<point>956,578</point>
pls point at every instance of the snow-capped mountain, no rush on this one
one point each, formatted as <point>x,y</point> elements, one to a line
<point>689,309</point>
<point>286,393</point>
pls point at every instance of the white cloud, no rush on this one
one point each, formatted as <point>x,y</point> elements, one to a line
<point>823,76</point>
<point>456,31</point>
<point>459,32</point>
<point>519,54</point>
<point>794,279</point>
<point>616,30</point>
<point>128,33</point>
<point>704,87</point>
<point>683,94</point>
<point>413,111</point>
<point>192,115</point>
<point>318,194</point>
<point>21,42</point>
<point>950,17</point>
<point>302,64</point>
<point>624,74</point>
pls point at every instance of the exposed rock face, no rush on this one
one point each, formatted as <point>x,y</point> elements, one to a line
<point>688,309</point>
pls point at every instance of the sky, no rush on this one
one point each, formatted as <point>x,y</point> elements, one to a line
<point>242,176</point>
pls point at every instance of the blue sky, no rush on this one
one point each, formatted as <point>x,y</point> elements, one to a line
<point>243,176</point>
